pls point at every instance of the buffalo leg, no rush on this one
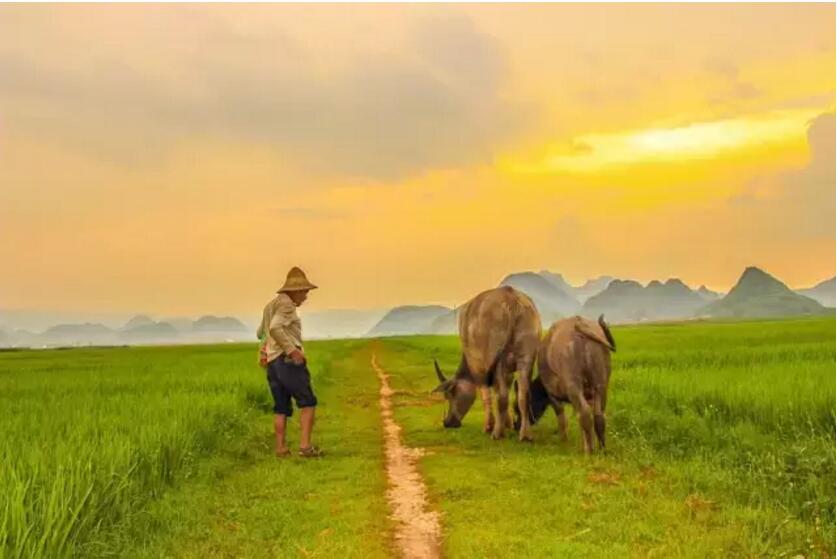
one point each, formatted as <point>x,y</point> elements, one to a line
<point>524,370</point>
<point>501,420</point>
<point>599,420</point>
<point>585,419</point>
<point>562,419</point>
<point>488,424</point>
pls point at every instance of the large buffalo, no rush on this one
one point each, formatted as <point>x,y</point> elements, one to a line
<point>500,332</point>
<point>574,367</point>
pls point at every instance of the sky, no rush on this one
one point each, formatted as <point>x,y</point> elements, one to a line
<point>179,159</point>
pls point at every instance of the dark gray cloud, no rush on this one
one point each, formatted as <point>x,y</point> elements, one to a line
<point>800,204</point>
<point>434,101</point>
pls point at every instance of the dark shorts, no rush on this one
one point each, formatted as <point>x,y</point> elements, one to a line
<point>286,380</point>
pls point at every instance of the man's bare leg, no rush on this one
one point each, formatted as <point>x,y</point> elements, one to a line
<point>306,421</point>
<point>279,424</point>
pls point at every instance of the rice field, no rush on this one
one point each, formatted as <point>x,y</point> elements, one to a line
<point>721,442</point>
<point>88,435</point>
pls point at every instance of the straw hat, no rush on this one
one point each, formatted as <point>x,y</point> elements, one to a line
<point>296,281</point>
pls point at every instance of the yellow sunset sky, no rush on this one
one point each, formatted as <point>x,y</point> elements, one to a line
<point>178,159</point>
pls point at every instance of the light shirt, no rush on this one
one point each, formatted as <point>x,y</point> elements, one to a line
<point>282,327</point>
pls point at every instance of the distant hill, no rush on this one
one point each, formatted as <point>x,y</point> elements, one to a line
<point>140,329</point>
<point>86,329</point>
<point>78,334</point>
<point>629,301</point>
<point>181,324</point>
<point>148,333</point>
<point>408,319</point>
<point>674,298</point>
<point>758,294</point>
<point>339,323</point>
<point>822,293</point>
<point>447,323</point>
<point>558,281</point>
<point>621,301</point>
<point>582,293</point>
<point>707,294</point>
<point>218,324</point>
<point>592,287</point>
<point>552,302</point>
<point>21,338</point>
<point>137,321</point>
<point>34,320</point>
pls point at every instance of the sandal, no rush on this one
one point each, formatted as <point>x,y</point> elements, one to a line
<point>283,453</point>
<point>310,452</point>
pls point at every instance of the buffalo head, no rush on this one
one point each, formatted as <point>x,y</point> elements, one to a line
<point>538,402</point>
<point>460,393</point>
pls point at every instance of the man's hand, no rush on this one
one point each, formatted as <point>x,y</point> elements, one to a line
<point>297,357</point>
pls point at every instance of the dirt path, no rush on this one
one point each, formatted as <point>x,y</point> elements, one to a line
<point>418,529</point>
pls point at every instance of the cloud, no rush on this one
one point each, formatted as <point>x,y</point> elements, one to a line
<point>434,101</point>
<point>798,204</point>
<point>785,221</point>
<point>733,88</point>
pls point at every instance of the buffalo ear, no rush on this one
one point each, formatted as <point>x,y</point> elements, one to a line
<point>444,387</point>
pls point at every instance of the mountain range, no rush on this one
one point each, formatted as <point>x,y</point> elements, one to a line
<point>629,301</point>
<point>756,294</point>
<point>140,329</point>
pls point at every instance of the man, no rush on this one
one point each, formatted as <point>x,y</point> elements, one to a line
<point>287,370</point>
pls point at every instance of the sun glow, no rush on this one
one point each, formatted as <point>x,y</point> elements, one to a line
<point>699,141</point>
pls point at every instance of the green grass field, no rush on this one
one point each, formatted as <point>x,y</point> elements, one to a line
<point>721,443</point>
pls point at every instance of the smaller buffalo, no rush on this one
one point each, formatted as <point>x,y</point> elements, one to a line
<point>574,367</point>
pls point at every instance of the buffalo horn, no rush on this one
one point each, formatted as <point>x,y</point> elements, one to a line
<point>439,372</point>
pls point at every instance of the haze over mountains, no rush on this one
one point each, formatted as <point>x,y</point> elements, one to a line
<point>140,329</point>
<point>756,294</point>
<point>823,292</point>
<point>551,294</point>
<point>628,301</point>
<point>143,330</point>
<point>408,319</point>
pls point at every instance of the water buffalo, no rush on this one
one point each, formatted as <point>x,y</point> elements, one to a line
<point>574,367</point>
<point>500,332</point>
